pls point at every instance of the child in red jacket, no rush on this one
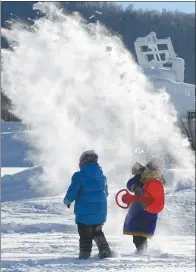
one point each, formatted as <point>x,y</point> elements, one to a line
<point>141,219</point>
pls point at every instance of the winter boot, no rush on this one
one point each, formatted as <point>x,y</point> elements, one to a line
<point>140,244</point>
<point>103,246</point>
<point>85,249</point>
<point>86,241</point>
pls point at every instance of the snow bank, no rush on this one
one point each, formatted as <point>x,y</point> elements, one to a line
<point>14,150</point>
<point>19,186</point>
<point>180,179</point>
<point>14,227</point>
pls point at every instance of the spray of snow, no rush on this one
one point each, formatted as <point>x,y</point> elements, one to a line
<point>77,87</point>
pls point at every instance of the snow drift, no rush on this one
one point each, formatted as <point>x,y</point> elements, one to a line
<point>14,149</point>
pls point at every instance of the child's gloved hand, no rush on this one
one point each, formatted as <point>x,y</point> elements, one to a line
<point>67,202</point>
<point>138,191</point>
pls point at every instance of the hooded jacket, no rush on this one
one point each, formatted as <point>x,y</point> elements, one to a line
<point>89,191</point>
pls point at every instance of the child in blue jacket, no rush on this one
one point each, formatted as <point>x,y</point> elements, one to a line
<point>89,191</point>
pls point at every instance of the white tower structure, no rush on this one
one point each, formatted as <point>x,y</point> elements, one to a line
<point>166,71</point>
<point>158,55</point>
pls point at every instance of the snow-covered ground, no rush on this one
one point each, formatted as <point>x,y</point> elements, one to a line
<point>39,234</point>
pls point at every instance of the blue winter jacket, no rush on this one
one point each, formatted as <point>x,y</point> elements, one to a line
<point>89,191</point>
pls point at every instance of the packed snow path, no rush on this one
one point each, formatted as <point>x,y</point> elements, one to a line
<point>39,234</point>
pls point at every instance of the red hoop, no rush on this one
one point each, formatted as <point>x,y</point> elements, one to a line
<point>123,207</point>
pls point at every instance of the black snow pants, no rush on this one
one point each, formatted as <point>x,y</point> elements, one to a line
<point>140,243</point>
<point>87,235</point>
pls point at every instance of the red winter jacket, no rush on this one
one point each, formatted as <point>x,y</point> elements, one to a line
<point>153,196</point>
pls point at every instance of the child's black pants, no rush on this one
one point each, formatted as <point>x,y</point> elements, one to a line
<point>87,235</point>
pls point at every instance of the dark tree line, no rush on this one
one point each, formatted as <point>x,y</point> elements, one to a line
<point>129,23</point>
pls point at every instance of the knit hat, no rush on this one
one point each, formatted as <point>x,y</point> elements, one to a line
<point>87,157</point>
<point>155,164</point>
<point>153,170</point>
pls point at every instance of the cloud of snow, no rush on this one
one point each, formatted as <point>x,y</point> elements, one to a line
<point>77,87</point>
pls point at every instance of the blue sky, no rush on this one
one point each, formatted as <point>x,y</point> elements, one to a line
<point>188,7</point>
